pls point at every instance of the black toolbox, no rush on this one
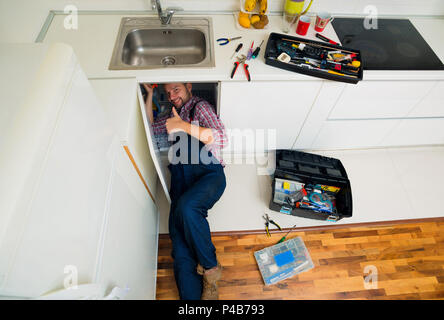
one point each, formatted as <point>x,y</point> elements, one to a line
<point>296,168</point>
<point>275,47</point>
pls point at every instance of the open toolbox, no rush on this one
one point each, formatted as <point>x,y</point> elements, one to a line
<point>310,186</point>
<point>314,58</point>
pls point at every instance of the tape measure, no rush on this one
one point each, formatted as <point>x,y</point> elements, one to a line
<point>321,199</point>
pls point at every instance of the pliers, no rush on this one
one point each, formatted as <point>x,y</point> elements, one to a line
<point>267,223</point>
<point>224,41</point>
<point>241,60</point>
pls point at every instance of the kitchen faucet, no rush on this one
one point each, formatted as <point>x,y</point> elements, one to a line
<point>165,17</point>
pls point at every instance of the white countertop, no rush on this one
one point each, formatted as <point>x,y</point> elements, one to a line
<point>94,40</point>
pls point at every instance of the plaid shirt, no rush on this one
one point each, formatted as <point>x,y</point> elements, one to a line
<point>204,116</point>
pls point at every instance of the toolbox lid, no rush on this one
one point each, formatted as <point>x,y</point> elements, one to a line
<point>309,165</point>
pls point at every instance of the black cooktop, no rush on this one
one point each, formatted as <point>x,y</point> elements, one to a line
<point>394,45</point>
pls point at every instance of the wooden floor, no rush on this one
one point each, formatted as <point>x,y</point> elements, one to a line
<point>408,260</point>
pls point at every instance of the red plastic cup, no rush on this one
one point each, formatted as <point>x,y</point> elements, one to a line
<point>322,19</point>
<point>303,24</point>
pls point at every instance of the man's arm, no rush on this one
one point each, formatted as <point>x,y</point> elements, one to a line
<point>203,134</point>
<point>158,124</point>
<point>149,102</point>
<point>176,123</point>
<point>209,119</point>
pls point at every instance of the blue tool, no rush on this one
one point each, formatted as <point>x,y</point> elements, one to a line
<point>320,200</point>
<point>224,41</point>
<point>312,206</point>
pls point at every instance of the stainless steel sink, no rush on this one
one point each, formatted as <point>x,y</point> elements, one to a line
<point>144,43</point>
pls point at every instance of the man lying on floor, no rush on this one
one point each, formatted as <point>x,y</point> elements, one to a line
<point>197,183</point>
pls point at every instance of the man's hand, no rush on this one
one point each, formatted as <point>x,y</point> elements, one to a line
<point>175,123</point>
<point>148,88</point>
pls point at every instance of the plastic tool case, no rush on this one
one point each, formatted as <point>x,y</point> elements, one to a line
<point>296,169</point>
<point>272,52</point>
<point>283,260</point>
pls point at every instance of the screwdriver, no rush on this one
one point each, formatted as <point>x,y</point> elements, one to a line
<point>237,50</point>
<point>250,52</point>
<point>283,238</point>
<point>256,51</point>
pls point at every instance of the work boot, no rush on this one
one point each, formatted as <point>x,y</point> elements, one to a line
<point>210,290</point>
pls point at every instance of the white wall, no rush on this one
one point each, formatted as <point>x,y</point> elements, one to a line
<point>21,20</point>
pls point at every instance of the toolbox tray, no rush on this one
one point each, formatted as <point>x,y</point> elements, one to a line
<point>308,168</point>
<point>271,58</point>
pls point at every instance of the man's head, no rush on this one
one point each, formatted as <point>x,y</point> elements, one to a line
<point>178,93</point>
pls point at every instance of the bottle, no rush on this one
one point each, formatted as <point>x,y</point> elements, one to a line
<point>294,9</point>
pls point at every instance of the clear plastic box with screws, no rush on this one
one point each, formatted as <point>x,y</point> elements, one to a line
<point>283,260</point>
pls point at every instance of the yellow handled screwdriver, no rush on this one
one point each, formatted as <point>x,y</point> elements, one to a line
<point>283,238</point>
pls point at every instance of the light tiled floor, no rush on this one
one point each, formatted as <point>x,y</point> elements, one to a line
<point>387,184</point>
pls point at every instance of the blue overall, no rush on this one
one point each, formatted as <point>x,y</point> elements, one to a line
<point>195,188</point>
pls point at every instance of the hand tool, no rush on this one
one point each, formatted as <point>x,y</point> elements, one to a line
<point>301,50</point>
<point>256,51</point>
<point>224,41</point>
<point>250,52</point>
<point>324,38</point>
<point>237,63</point>
<point>247,73</point>
<point>312,206</point>
<point>237,50</point>
<point>314,44</point>
<point>338,73</point>
<point>283,238</point>
<point>292,51</point>
<point>241,60</point>
<point>338,67</point>
<point>267,223</point>
<point>356,63</point>
<point>328,65</point>
<point>295,197</point>
<point>323,70</point>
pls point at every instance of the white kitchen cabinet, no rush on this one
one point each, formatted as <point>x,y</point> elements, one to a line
<point>328,95</point>
<point>55,168</point>
<point>322,131</point>
<point>372,114</point>
<point>72,209</point>
<point>269,114</point>
<point>345,134</point>
<point>379,99</point>
<point>410,132</point>
<point>424,125</point>
<point>132,223</point>
<point>119,99</point>
<point>158,158</point>
<point>129,250</point>
<point>432,105</point>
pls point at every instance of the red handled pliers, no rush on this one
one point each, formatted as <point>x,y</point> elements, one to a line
<point>241,60</point>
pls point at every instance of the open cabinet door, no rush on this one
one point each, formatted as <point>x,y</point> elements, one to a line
<point>160,162</point>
